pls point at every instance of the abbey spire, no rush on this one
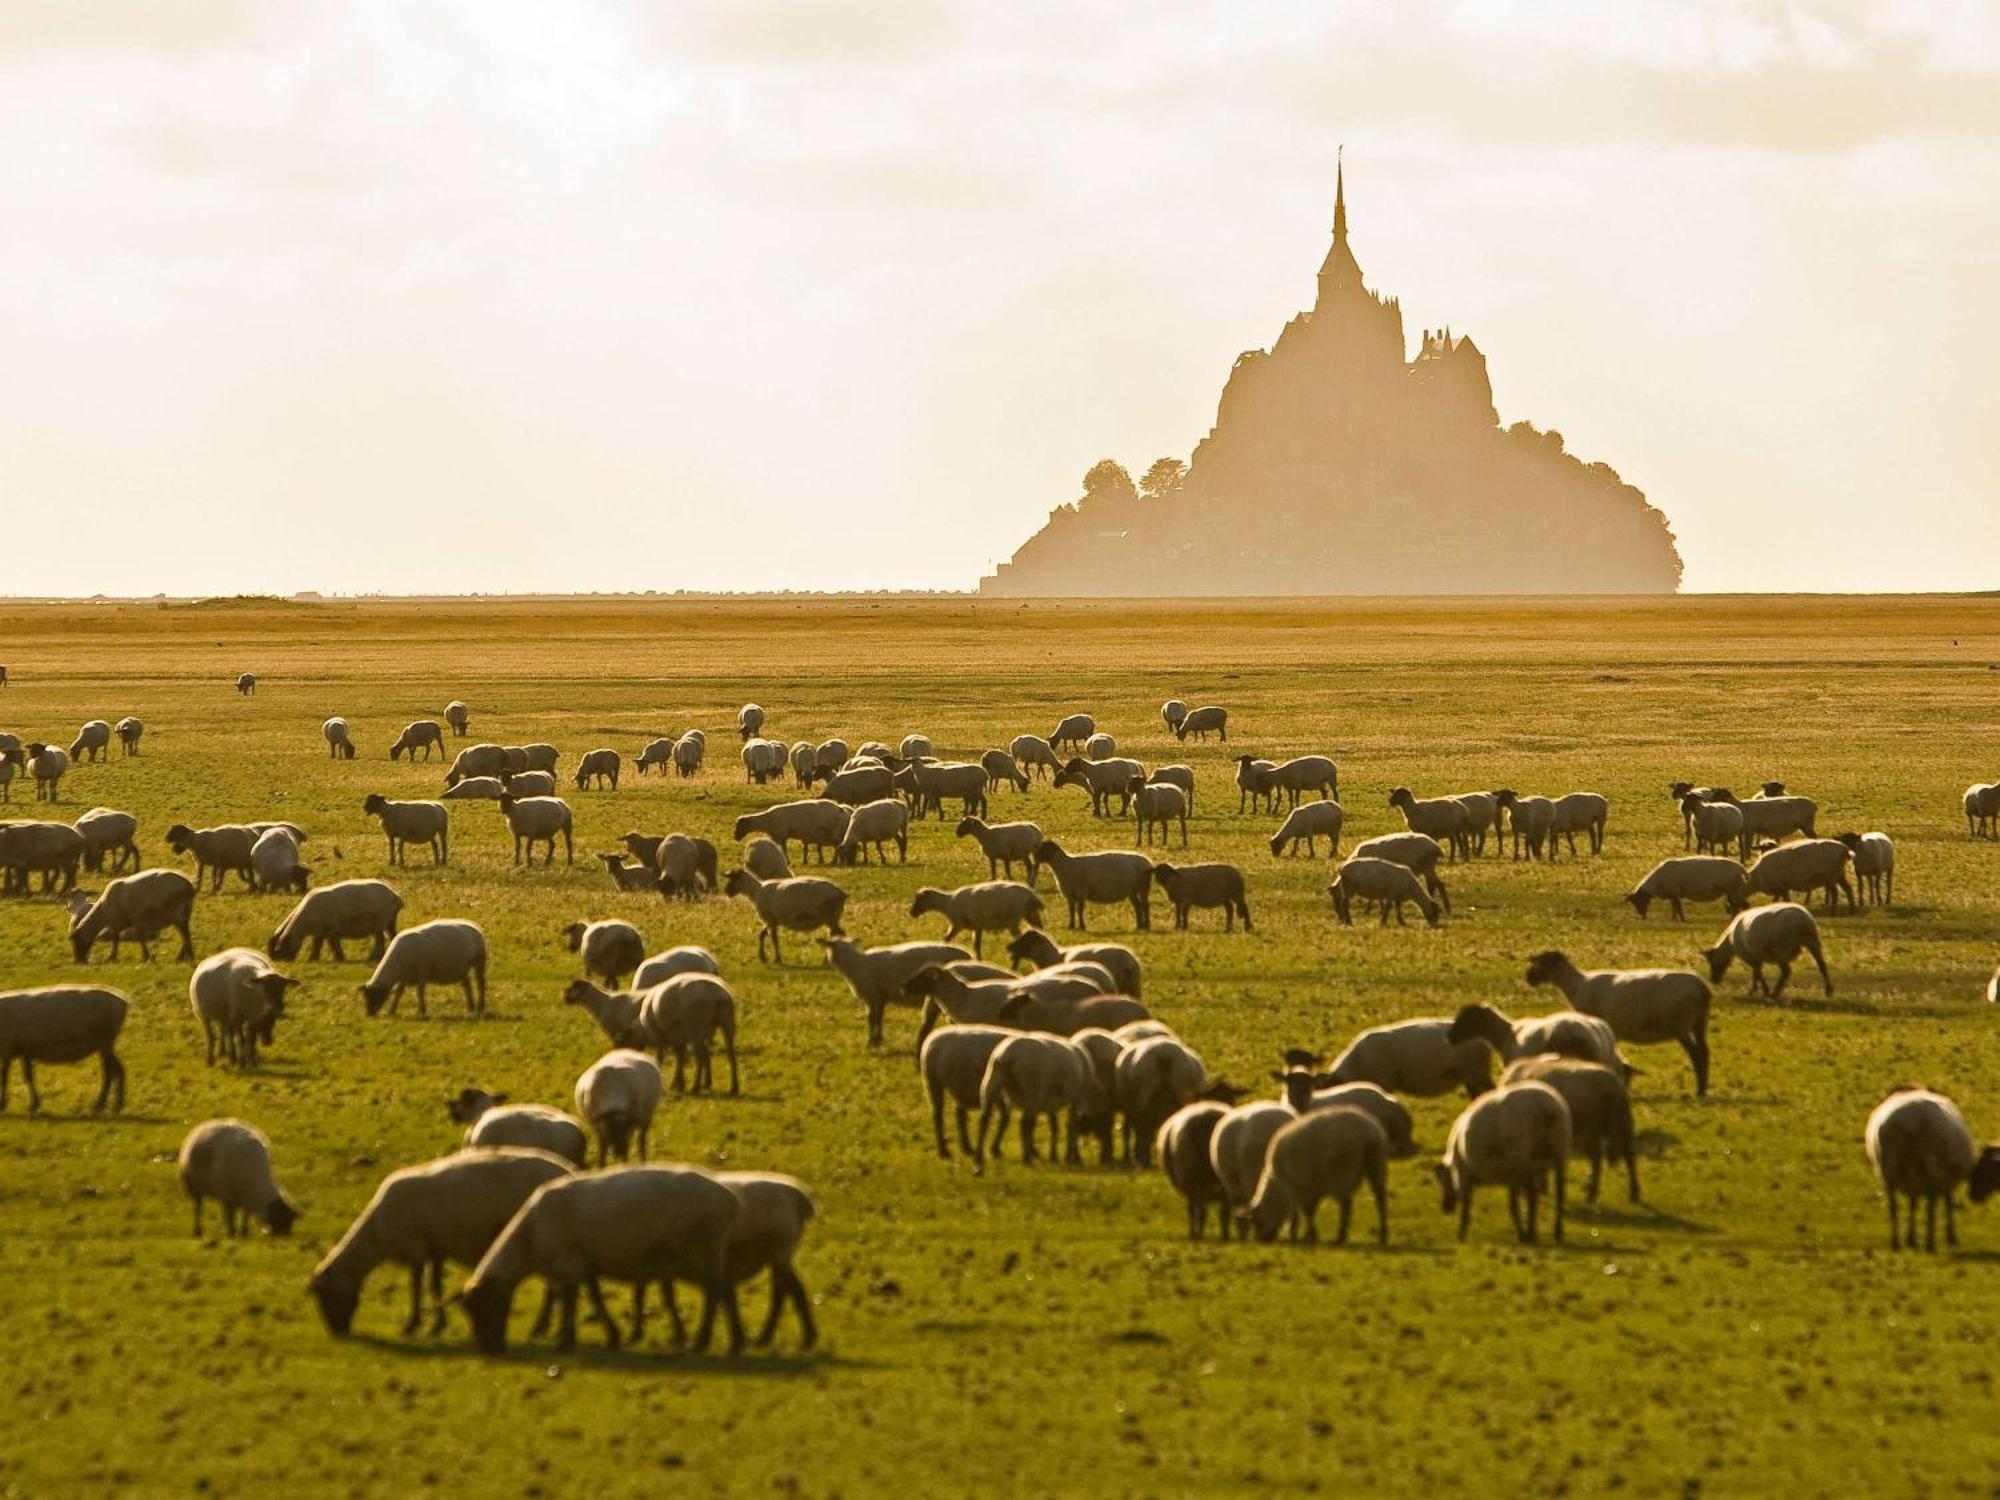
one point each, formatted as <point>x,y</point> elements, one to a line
<point>1340,271</point>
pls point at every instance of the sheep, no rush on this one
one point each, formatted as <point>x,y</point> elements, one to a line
<point>910,747</point>
<point>1600,1112</point>
<point>238,993</point>
<point>1774,934</point>
<point>137,906</point>
<point>1150,1081</point>
<point>1519,1135</point>
<point>1303,773</point>
<point>1919,1144</point>
<point>774,1212</point>
<point>537,820</point>
<point>91,741</point>
<point>1533,821</point>
<point>1570,1033</point>
<point>447,1210</point>
<point>107,831</point>
<point>1175,775</point>
<point>1442,818</point>
<point>1072,730</point>
<point>339,739</point>
<point>538,756</point>
<point>274,860</point>
<point>1036,947</point>
<point>684,1014</point>
<point>405,823</point>
<point>876,823</point>
<point>831,754</point>
<point>934,781</point>
<point>1104,876</point>
<point>1172,712</point>
<point>1005,845</point>
<point>1100,746</point>
<point>1580,812</point>
<point>1031,750</point>
<point>749,721</point>
<point>476,789</point>
<point>484,759</point>
<point>1874,864</point>
<point>46,765</point>
<point>1714,826</point>
<point>53,849</point>
<point>1325,1154</point>
<point>686,959</point>
<point>1182,1148</point>
<point>230,1161</point>
<point>425,735</point>
<point>804,762</point>
<point>879,976</point>
<point>446,951</point>
<point>615,1011</point>
<point>765,859</point>
<point>597,767</point>
<point>1687,797</point>
<point>1156,806</point>
<point>1205,886</point>
<point>1306,1090</point>
<point>1774,817</point>
<point>1238,1144</point>
<point>987,906</point>
<point>963,992</point>
<point>527,783</point>
<point>1253,784</point>
<point>803,904</point>
<point>1040,1075</point>
<point>491,1121</point>
<point>1641,1006</point>
<point>63,1023</point>
<point>246,684</point>
<point>656,752</point>
<point>217,851</point>
<point>1066,1015</point>
<point>1307,823</point>
<point>688,752</point>
<point>459,717</point>
<point>1805,865</point>
<point>1420,1057</point>
<point>336,913</point>
<point>1692,877</point>
<point>1202,722</point>
<point>854,785</point>
<point>1380,880</point>
<point>1982,809</point>
<point>817,824</point>
<point>686,867</point>
<point>1418,853</point>
<point>10,764</point>
<point>1482,812</point>
<point>953,1063</point>
<point>637,1224</point>
<point>617,1096</point>
<point>612,949</point>
<point>762,760</point>
<point>999,766</point>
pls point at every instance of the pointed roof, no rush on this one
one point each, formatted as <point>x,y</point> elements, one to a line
<point>1340,268</point>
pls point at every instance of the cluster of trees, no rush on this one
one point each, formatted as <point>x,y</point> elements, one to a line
<point>1110,483</point>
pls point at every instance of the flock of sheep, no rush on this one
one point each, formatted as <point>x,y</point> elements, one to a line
<point>1070,1042</point>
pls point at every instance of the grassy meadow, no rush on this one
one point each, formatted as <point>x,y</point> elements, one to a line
<point>1048,1330</point>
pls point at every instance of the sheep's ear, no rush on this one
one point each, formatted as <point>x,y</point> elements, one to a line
<point>1278,1075</point>
<point>501,1098</point>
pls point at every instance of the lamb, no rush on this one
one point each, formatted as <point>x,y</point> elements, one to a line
<point>230,1161</point>
<point>1805,866</point>
<point>334,914</point>
<point>137,906</point>
<point>853,785</point>
<point>46,765</point>
<point>1714,825</point>
<point>1417,852</point>
<point>988,906</point>
<point>762,760</point>
<point>953,1062</point>
<point>62,1023</point>
<point>1581,812</point>
<point>1151,1080</point>
<point>476,789</point>
<point>339,739</point>
<point>1874,864</point>
<point>491,1121</point>
<point>1518,1135</point>
<point>1641,1006</point>
<point>446,951</point>
<point>1307,823</point>
<point>1600,1111</point>
<point>1420,1057</point>
<point>1982,809</point>
<point>1040,1075</point>
<point>1156,806</point>
<point>1442,818</point>
<point>749,721</point>
<point>238,993</point>
<point>1182,1148</point>
<point>816,823</point>
<point>1202,722</point>
<point>1369,879</point>
<point>107,831</point>
<point>53,849</point>
<point>1774,817</point>
<point>1205,886</point>
<point>615,1011</point>
<point>612,948</point>
<point>91,741</point>
<point>537,820</point>
<point>1238,1144</point>
<point>616,1096</point>
<point>459,717</point>
<point>879,976</point>
<point>1253,783</point>
<point>1570,1033</point>
<point>1533,820</point>
<point>686,959</point>
<point>1032,750</point>
<point>656,752</point>
<point>684,1014</point>
<point>765,859</point>
<point>803,904</point>
<point>274,860</point>
<point>246,684</point>
<point>597,767</point>
<point>1692,877</point>
<point>425,735</point>
<point>1067,1015</point>
<point>1072,730</point>
<point>1036,947</point>
<point>406,823</point>
<point>1920,1145</point>
<point>450,1209</point>
<point>876,823</point>
<point>1000,766</point>
<point>1103,877</point>
<point>934,781</point>
<point>688,751</point>
<point>1774,934</point>
<point>1326,1154</point>
<point>1005,845</point>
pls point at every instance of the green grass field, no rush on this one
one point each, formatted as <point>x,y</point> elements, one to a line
<point>1048,1330</point>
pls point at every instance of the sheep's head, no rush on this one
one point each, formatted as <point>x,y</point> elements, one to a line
<point>573,934</point>
<point>1297,1083</point>
<point>1166,875</point>
<point>1985,1175</point>
<point>581,992</point>
<point>1400,796</point>
<point>487,1305</point>
<point>1544,967</point>
<point>374,997</point>
<point>928,899</point>
<point>1032,946</point>
<point>336,1302</point>
<point>1047,850</point>
<point>968,825</point>
<point>279,1217</point>
<point>373,804</point>
<point>1718,962</point>
<point>1852,840</point>
<point>1639,901</point>
<point>1481,1022</point>
<point>920,984</point>
<point>471,1104</point>
<point>739,882</point>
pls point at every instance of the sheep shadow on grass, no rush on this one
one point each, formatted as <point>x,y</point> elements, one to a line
<point>653,1359</point>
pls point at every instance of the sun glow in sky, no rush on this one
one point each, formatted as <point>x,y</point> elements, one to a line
<point>486,296</point>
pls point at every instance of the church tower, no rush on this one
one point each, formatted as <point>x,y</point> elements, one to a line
<point>1340,272</point>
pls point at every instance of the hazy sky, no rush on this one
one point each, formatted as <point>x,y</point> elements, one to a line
<point>503,296</point>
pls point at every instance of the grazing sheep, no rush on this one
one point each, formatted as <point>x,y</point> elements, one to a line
<point>139,907</point>
<point>1774,934</point>
<point>336,913</point>
<point>339,739</point>
<point>1442,818</point>
<point>934,781</point>
<point>611,949</point>
<point>1517,1135</point>
<point>491,1121</point>
<point>1392,884</point>
<point>684,1014</point>
<point>1073,730</point>
<point>537,820</point>
<point>1920,1145</point>
<point>1305,1091</point>
<point>107,831</point>
<point>1202,722</point>
<point>1037,948</point>
<point>853,785</point>
<point>62,1023</point>
<point>1205,886</point>
<point>1418,853</point>
<point>46,765</point>
<point>527,784</point>
<point>1303,773</point>
<point>1483,812</point>
<point>538,756</point>
<point>1182,1147</point>
<point>615,1011</point>
<point>686,867</point>
<point>988,906</point>
<point>1000,766</point>
<point>1156,806</point>
<point>1151,1080</point>
<point>425,735</point>
<point>91,742</point>
<point>274,860</point>
<point>1103,877</point>
<point>1420,1057</point>
<point>52,849</point>
<point>246,684</point>
<point>686,959</point>
<point>656,752</point>
<point>1100,747</point>
<point>629,876</point>
<point>1065,1015</point>
<point>484,759</point>
<point>1581,812</point>
<point>804,762</point>
<point>230,1161</point>
<point>1692,877</point>
<point>406,823</point>
<point>1533,822</point>
<point>476,789</point>
<point>1253,785</point>
<point>876,823</point>
<point>597,767</point>
<point>1238,1144</point>
<point>1982,809</point>
<point>1805,866</point>
<point>1328,1153</point>
<point>1600,1111</point>
<point>617,1096</point>
<point>1874,864</point>
<point>1031,750</point>
<point>1176,775</point>
<point>880,977</point>
<point>1005,845</point>
<point>448,1210</point>
<point>1715,826</point>
<point>763,760</point>
<point>1568,1032</point>
<point>459,717</point>
<point>817,824</point>
<point>688,752</point>
<point>236,992</point>
<point>10,764</point>
<point>1172,712</point>
<point>1306,823</point>
<point>1036,1076</point>
<point>1774,817</point>
<point>1641,1006</point>
<point>774,1212</point>
<point>749,721</point>
<point>953,1063</point>
<point>446,951</point>
<point>804,903</point>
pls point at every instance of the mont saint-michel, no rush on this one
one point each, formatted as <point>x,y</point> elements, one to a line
<point>1338,465</point>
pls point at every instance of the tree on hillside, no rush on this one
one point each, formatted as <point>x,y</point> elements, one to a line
<point>1163,478</point>
<point>1108,483</point>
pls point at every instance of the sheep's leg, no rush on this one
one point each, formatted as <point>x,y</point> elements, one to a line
<point>566,1322</point>
<point>1514,1211</point>
<point>416,1317</point>
<point>437,1297</point>
<point>197,1216</point>
<point>1696,1047</point>
<point>1895,1225</point>
<point>1562,1173</point>
<point>1464,1211</point>
<point>1784,976</point>
<point>1930,1221</point>
<point>1596,1169</point>
<point>1027,1137</point>
<point>34,1094</point>
<point>1533,1193</point>
<point>1950,1221</point>
<point>599,1311</point>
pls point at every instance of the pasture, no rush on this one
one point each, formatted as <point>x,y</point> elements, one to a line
<point>1050,1329</point>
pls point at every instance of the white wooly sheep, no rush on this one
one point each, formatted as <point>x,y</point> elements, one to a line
<point>686,959</point>
<point>913,747</point>
<point>934,782</point>
<point>537,820</point>
<point>446,951</point>
<point>804,903</point>
<point>1156,807</point>
<point>238,994</point>
<point>54,849</point>
<point>865,781</point>
<point>1041,1075</point>
<point>1149,1082</point>
<point>63,1023</point>
<point>1253,786</point>
<point>1037,948</point>
<point>1715,825</point>
<point>1581,812</point>
<point>879,976</point>
<point>527,783</point>
<point>1100,747</point>
<point>1306,824</point>
<point>1328,1153</point>
<point>1774,817</point>
<point>749,720</point>
<point>490,1120</point>
<point>1483,813</point>
<point>216,851</point>
<point>987,906</point>
<point>339,739</point>
<point>246,683</point>
<point>1516,1137</point>
<point>1302,773</point>
<point>656,752</point>
<point>1533,822</point>
<point>1419,1057</point>
<point>1202,722</point>
<point>953,1062</point>
<point>876,823</point>
<point>338,913</point>
<point>597,767</point>
<point>1920,1145</point>
<point>105,831</point>
<point>1982,809</point>
<point>831,754</point>
<point>91,741</point>
<point>459,717</point>
<point>1172,712</point>
<point>615,1011</point>
<point>230,1161</point>
<point>139,907</point>
<point>1442,818</point>
<point>763,759</point>
<point>476,789</point>
<point>774,1210</point>
<point>1237,1146</point>
<point>46,765</point>
<point>1032,752</point>
<point>766,860</point>
<point>1774,934</point>
<point>817,823</point>
<point>1103,877</point>
<point>1000,766</point>
<point>1072,730</point>
<point>684,1014</point>
<point>130,731</point>
<point>1640,1005</point>
<point>448,1210</point>
<point>406,823</point>
<point>1569,1032</point>
<point>1692,877</point>
<point>1417,852</point>
<point>1005,845</point>
<point>1805,866</point>
<point>1306,1090</point>
<point>617,1096</point>
<point>424,735</point>
<point>688,752</point>
<point>1600,1111</point>
<point>274,858</point>
<point>804,759</point>
<point>1874,864</point>
<point>610,948</point>
<point>538,756</point>
<point>1366,878</point>
<point>1205,887</point>
<point>1182,1147</point>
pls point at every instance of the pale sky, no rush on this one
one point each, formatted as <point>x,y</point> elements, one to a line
<point>492,296</point>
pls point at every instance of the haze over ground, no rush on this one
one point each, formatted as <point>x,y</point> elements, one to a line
<point>819,296</point>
